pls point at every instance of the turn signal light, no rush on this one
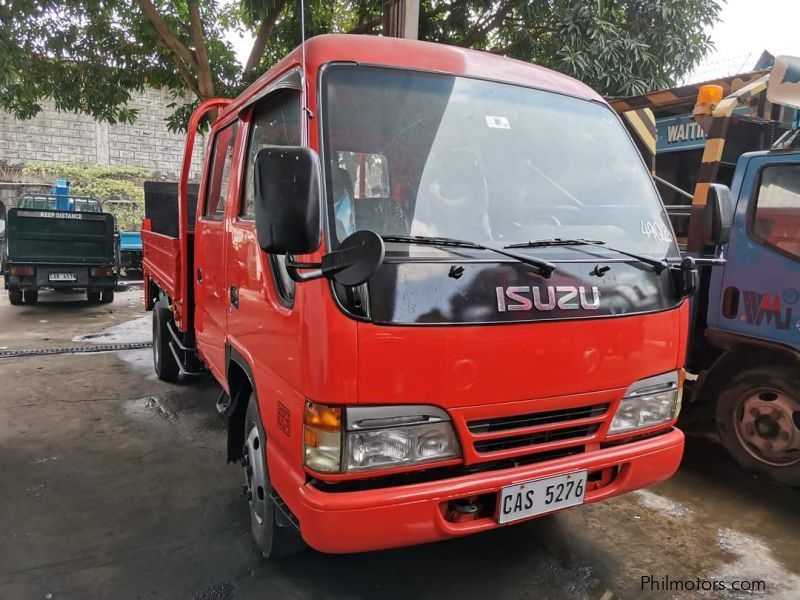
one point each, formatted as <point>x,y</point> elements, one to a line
<point>322,437</point>
<point>102,271</point>
<point>324,417</point>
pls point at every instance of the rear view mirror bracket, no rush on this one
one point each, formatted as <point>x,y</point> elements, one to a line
<point>686,275</point>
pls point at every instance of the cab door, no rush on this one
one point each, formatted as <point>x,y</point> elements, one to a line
<point>264,323</point>
<point>210,247</point>
<point>760,291</point>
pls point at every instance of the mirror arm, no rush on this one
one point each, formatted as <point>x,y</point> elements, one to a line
<point>326,268</point>
<point>710,262</point>
<point>293,269</point>
<point>357,258</point>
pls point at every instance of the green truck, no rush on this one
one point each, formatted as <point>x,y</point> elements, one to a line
<point>59,241</point>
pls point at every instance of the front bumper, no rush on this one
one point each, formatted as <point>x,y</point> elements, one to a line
<point>412,514</point>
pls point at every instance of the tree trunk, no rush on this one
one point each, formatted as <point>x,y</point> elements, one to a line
<point>264,31</point>
<point>205,79</point>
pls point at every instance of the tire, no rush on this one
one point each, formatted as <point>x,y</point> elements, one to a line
<point>93,297</point>
<point>164,362</point>
<point>273,540</point>
<point>107,296</point>
<point>758,419</point>
<point>31,296</point>
<point>15,297</point>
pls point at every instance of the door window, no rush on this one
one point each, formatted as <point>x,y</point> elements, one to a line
<point>276,122</point>
<point>777,214</point>
<point>219,173</point>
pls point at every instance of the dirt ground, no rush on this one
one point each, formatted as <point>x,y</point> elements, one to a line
<point>114,485</point>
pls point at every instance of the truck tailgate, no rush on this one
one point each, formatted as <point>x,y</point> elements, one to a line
<point>44,236</point>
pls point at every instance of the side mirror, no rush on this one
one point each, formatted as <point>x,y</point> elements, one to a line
<point>359,255</point>
<point>685,278</point>
<point>718,216</point>
<point>287,199</point>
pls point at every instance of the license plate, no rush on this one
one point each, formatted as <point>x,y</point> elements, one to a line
<point>62,277</point>
<point>539,496</point>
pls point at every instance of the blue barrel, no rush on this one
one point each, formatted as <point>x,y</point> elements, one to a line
<point>61,192</point>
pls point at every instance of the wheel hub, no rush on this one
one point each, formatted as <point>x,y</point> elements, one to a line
<point>155,339</point>
<point>255,475</point>
<point>767,426</point>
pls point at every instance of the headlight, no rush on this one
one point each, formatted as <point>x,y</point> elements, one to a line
<point>377,437</point>
<point>649,402</point>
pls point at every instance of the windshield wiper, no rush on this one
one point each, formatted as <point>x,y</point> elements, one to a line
<point>657,264</point>
<point>544,267</point>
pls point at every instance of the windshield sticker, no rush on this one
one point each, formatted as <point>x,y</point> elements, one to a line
<point>497,122</point>
<point>656,231</point>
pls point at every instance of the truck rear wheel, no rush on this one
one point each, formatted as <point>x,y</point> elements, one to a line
<point>107,296</point>
<point>164,362</point>
<point>758,419</point>
<point>93,297</point>
<point>31,296</point>
<point>274,540</point>
<point>15,297</point>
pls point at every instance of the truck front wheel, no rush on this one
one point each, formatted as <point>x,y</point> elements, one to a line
<point>93,297</point>
<point>15,297</point>
<point>758,419</point>
<point>163,360</point>
<point>107,296</point>
<point>273,539</point>
<point>31,296</point>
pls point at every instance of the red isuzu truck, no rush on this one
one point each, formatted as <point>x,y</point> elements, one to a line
<point>437,287</point>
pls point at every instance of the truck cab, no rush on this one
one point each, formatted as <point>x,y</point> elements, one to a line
<point>437,287</point>
<point>751,360</point>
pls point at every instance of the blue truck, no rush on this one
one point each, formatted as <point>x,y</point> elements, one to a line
<point>743,348</point>
<point>746,352</point>
<point>752,327</point>
<point>130,253</point>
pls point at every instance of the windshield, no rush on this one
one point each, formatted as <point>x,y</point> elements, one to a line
<point>412,153</point>
<point>69,203</point>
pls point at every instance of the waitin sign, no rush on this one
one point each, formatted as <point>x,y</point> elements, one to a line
<point>682,132</point>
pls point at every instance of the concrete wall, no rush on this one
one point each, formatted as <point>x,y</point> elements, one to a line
<point>54,136</point>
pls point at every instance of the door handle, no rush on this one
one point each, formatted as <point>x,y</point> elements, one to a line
<point>234,296</point>
<point>199,275</point>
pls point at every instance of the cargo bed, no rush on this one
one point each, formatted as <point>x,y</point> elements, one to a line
<point>163,259</point>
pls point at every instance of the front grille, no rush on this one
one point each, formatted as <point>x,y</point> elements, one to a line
<point>540,418</point>
<point>533,439</point>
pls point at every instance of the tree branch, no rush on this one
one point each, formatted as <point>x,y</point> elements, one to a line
<point>479,31</point>
<point>367,26</point>
<point>166,34</point>
<point>205,80</point>
<point>264,31</point>
<point>184,71</point>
